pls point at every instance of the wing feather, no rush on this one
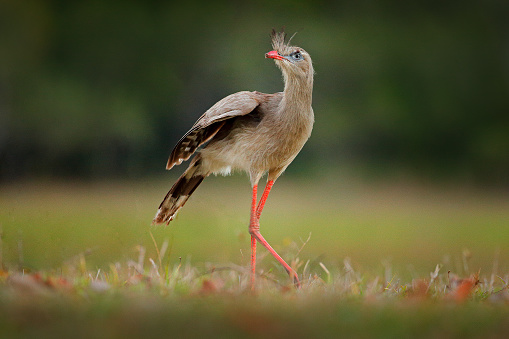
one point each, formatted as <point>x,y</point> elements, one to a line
<point>207,126</point>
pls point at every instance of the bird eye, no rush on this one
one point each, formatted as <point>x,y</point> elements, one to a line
<point>297,55</point>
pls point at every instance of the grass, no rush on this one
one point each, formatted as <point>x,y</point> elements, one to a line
<point>82,260</point>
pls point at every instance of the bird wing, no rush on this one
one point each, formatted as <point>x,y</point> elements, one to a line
<point>234,105</point>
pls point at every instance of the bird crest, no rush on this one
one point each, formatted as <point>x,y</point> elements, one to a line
<point>279,43</point>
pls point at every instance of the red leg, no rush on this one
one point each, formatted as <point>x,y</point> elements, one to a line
<point>287,267</point>
<point>253,224</point>
<point>254,230</point>
<point>265,194</point>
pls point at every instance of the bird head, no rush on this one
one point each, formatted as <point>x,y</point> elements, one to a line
<point>293,61</point>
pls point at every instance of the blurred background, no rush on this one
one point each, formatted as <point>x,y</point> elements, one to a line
<point>100,91</point>
<point>105,88</point>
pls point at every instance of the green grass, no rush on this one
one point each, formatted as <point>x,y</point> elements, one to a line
<point>82,260</point>
<point>410,228</point>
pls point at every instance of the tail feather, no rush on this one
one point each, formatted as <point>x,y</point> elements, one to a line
<point>179,193</point>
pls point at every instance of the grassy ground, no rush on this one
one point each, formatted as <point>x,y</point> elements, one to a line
<point>399,260</point>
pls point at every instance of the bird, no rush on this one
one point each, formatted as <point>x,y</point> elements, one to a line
<point>250,131</point>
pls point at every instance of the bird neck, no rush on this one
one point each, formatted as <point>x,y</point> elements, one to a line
<point>298,92</point>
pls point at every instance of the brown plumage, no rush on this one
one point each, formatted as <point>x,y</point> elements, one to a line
<point>250,131</point>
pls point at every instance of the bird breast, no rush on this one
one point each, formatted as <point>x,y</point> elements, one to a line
<point>269,144</point>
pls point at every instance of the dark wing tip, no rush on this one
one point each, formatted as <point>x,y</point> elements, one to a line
<point>172,160</point>
<point>170,164</point>
<point>177,159</point>
<point>190,142</point>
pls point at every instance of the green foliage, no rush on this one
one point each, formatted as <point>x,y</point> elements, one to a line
<point>103,88</point>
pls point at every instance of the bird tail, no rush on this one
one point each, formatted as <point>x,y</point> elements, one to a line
<point>180,192</point>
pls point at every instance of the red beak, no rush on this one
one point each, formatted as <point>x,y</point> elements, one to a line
<point>274,55</point>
